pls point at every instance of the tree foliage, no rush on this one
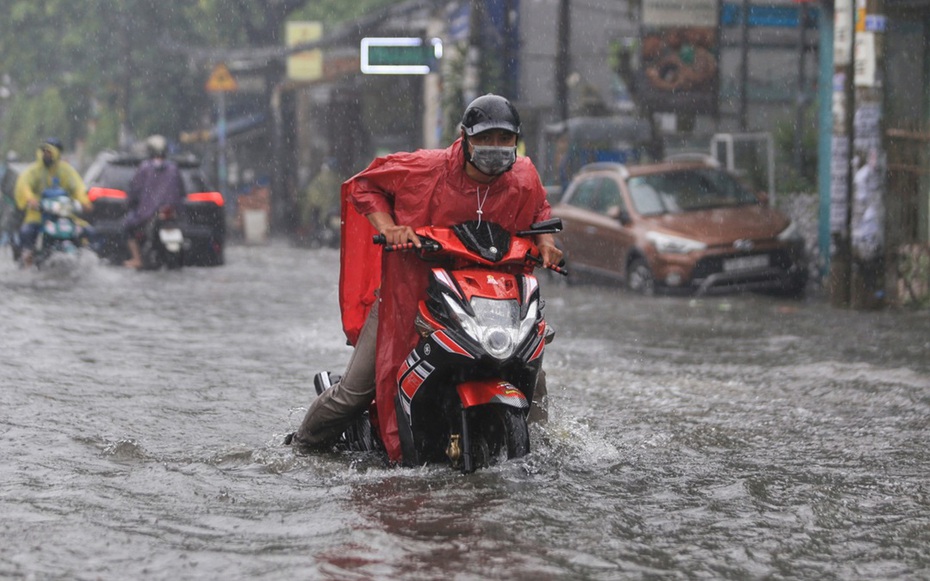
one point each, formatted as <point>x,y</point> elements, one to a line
<point>88,70</point>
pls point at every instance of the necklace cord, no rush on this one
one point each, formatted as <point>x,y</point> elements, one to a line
<point>481,200</point>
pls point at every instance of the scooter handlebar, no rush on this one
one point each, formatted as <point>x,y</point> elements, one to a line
<point>537,260</point>
<point>382,240</point>
<point>426,245</point>
<point>429,245</point>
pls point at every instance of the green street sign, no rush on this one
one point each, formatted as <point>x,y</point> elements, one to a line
<point>400,56</point>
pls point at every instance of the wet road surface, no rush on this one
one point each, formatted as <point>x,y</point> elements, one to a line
<point>737,437</point>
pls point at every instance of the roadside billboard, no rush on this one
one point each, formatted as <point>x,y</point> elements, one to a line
<point>679,43</point>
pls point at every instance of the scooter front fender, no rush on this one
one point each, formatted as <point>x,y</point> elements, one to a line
<point>473,393</point>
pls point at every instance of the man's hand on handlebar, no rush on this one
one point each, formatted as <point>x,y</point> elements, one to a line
<point>550,254</point>
<point>400,235</point>
<point>393,234</point>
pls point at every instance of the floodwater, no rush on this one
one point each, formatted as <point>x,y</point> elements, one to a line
<point>737,437</point>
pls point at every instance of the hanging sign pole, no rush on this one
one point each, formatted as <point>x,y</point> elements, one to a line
<point>221,82</point>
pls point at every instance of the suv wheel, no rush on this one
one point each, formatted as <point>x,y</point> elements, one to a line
<point>639,278</point>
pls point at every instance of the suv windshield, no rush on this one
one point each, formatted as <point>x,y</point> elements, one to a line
<point>118,175</point>
<point>687,191</point>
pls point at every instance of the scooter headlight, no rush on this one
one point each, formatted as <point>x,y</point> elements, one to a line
<point>497,325</point>
<point>54,206</point>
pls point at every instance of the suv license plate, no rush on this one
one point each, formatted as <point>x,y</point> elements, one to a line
<point>746,262</point>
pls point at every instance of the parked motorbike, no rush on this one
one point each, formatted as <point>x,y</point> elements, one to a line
<point>464,391</point>
<point>322,231</point>
<point>329,229</point>
<point>163,244</point>
<point>62,233</point>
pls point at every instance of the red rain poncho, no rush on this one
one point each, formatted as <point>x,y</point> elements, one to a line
<point>424,188</point>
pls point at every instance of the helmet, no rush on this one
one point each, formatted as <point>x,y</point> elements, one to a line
<point>156,145</point>
<point>54,142</point>
<point>490,112</point>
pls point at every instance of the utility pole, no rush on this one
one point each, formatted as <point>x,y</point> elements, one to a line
<point>563,58</point>
<point>471,84</point>
<point>857,197</point>
<point>801,102</point>
<point>124,92</point>
<point>841,176</point>
<point>744,68</point>
<point>867,208</point>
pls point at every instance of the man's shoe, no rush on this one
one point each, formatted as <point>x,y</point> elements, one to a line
<point>324,380</point>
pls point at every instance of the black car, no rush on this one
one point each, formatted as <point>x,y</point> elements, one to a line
<point>202,217</point>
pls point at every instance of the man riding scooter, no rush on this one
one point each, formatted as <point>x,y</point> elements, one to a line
<point>479,177</point>
<point>156,184</point>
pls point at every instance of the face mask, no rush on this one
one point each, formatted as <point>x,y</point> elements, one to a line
<point>493,160</point>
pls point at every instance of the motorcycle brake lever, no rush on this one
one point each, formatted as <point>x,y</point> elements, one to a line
<point>429,245</point>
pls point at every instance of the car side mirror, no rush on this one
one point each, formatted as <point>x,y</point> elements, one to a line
<point>619,215</point>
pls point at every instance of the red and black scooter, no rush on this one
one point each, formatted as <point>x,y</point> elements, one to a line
<point>464,392</point>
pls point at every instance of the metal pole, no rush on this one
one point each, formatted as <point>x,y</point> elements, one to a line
<point>221,144</point>
<point>744,68</point>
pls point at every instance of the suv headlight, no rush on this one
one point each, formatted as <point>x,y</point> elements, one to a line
<point>668,244</point>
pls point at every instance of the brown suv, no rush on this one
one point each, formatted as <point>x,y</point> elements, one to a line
<point>678,225</point>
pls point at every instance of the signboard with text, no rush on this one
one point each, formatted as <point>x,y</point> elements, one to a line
<point>305,65</point>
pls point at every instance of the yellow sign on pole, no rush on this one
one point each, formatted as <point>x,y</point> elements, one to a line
<point>221,80</point>
<point>306,65</point>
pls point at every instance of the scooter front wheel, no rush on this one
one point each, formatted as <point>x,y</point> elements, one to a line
<point>497,432</point>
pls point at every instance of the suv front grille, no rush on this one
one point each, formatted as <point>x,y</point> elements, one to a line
<point>714,264</point>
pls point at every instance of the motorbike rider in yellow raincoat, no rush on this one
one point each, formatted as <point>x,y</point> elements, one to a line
<point>34,180</point>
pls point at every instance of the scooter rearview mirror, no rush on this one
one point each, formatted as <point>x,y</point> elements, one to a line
<point>551,226</point>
